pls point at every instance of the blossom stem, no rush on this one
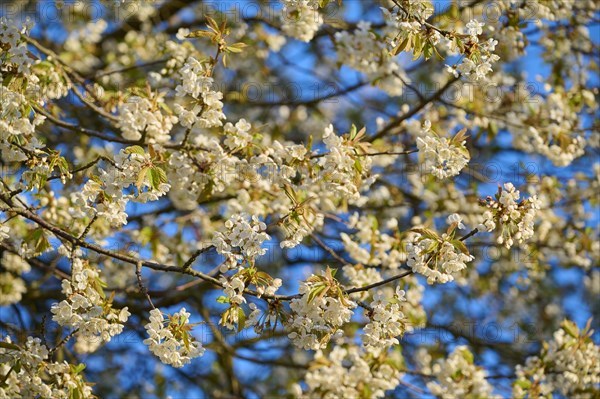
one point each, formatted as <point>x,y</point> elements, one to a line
<point>64,340</point>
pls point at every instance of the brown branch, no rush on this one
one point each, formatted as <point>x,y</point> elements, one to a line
<point>64,341</point>
<point>398,121</point>
<point>142,288</point>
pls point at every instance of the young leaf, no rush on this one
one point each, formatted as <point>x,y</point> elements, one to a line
<point>458,244</point>
<point>141,177</point>
<point>8,345</point>
<point>135,149</point>
<point>241,319</point>
<point>156,176</point>
<point>200,33</point>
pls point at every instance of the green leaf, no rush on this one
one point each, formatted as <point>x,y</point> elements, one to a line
<point>358,166</point>
<point>135,149</point>
<point>428,233</point>
<point>352,132</point>
<point>427,50</point>
<point>418,47</point>
<point>224,59</point>
<point>146,234</point>
<point>200,33</point>
<point>468,356</point>
<point>77,369</point>
<point>316,291</point>
<point>236,47</point>
<point>156,176</point>
<point>96,179</point>
<point>458,244</point>
<point>570,328</point>
<point>525,384</point>
<point>162,175</point>
<point>186,340</point>
<point>141,177</point>
<point>17,366</point>
<point>63,165</point>
<point>241,319</point>
<point>37,239</point>
<point>291,194</point>
<point>403,45</point>
<point>223,299</point>
<point>309,144</point>
<point>8,345</point>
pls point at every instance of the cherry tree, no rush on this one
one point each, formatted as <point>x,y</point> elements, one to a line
<point>304,198</point>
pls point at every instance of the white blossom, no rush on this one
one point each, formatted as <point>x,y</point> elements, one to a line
<point>317,317</point>
<point>363,51</point>
<point>28,372</point>
<point>301,19</point>
<point>139,116</point>
<point>440,156</point>
<point>86,307</point>
<point>458,376</point>
<point>169,338</point>
<point>242,238</point>
<point>516,219</point>
<point>438,258</point>
<point>568,365</point>
<point>344,372</point>
<point>386,322</point>
<point>207,108</point>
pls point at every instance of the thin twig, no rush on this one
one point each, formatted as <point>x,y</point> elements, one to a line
<point>470,234</point>
<point>195,256</point>
<point>64,340</point>
<point>328,249</point>
<point>143,289</point>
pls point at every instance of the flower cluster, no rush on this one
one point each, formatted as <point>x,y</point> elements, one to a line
<point>16,55</point>
<point>458,376</point>
<point>301,218</point>
<point>343,172</point>
<point>319,313</point>
<point>170,339</point>
<point>140,116</point>
<point>438,257</point>
<point>132,166</point>
<point>205,172</point>
<point>301,19</point>
<point>224,187</point>
<point>207,108</point>
<point>478,57</point>
<point>242,238</point>
<point>27,373</point>
<point>86,307</point>
<point>237,136</point>
<point>81,40</point>
<point>349,373</point>
<point>386,322</point>
<point>234,287</point>
<point>568,365</point>
<point>86,344</point>
<point>360,276</point>
<point>363,51</point>
<point>516,219</point>
<point>15,123</point>
<point>385,249</point>
<point>297,229</point>
<point>441,156</point>
<point>552,125</point>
